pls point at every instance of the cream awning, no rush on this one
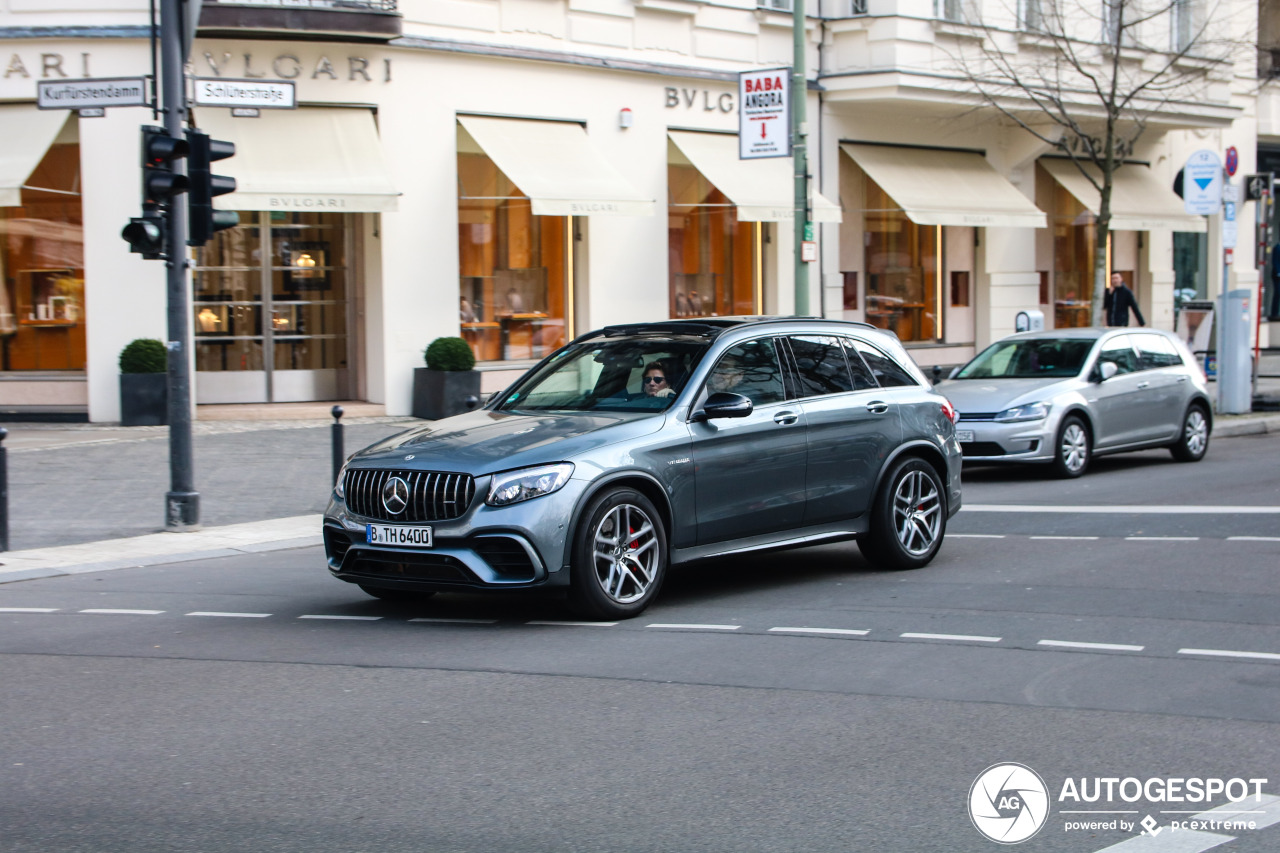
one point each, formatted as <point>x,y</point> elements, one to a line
<point>763,190</point>
<point>557,166</point>
<point>1139,200</point>
<point>940,187</point>
<point>28,133</point>
<point>309,159</point>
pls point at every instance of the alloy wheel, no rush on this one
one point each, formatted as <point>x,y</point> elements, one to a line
<point>1075,447</point>
<point>1196,432</point>
<point>626,553</point>
<point>917,512</point>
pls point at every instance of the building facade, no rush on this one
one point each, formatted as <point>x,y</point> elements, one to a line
<point>520,172</point>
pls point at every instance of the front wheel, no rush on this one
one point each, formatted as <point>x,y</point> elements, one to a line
<point>1073,449</point>
<point>908,519</point>
<point>1193,441</point>
<point>619,556</point>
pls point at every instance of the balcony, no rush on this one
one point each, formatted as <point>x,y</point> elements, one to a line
<point>356,20</point>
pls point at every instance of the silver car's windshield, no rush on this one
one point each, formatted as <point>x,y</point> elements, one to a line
<point>1029,358</point>
<point>633,374</point>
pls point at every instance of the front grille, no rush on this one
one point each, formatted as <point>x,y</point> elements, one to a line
<point>433,495</point>
<point>416,567</point>
<point>981,448</point>
<point>977,416</point>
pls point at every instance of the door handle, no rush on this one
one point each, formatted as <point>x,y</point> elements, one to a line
<point>877,407</point>
<point>1142,385</point>
<point>785,418</point>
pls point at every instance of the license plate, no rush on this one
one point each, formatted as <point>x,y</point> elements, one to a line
<point>964,435</point>
<point>398,535</point>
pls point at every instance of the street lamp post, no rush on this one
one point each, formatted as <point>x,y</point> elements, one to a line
<point>799,156</point>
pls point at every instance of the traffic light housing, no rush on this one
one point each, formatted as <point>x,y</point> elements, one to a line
<point>160,153</point>
<point>147,234</point>
<point>204,186</point>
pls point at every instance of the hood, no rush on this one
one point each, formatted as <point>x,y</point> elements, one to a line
<point>482,442</point>
<point>989,396</point>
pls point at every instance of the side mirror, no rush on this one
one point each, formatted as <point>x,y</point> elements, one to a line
<point>723,404</point>
<point>1106,370</point>
<point>955,371</point>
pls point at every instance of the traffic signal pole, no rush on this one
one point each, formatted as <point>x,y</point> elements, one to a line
<point>182,501</point>
<point>799,90</point>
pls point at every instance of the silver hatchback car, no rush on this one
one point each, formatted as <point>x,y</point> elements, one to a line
<point>1065,396</point>
<point>641,446</point>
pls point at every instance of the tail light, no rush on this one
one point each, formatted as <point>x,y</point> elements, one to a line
<point>950,410</point>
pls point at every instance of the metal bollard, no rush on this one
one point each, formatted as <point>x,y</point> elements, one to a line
<point>4,493</point>
<point>937,373</point>
<point>338,456</point>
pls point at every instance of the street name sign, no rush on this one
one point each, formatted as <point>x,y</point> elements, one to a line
<point>262,94</point>
<point>764,113</point>
<point>89,94</point>
<point>1202,183</point>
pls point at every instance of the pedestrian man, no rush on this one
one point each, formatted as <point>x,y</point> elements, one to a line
<point>1117,303</point>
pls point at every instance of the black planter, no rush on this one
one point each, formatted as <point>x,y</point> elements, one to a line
<point>144,399</point>
<point>441,393</point>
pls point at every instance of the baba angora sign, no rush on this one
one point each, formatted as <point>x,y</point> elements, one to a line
<point>764,113</point>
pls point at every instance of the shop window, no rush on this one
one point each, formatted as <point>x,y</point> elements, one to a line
<point>514,267</point>
<point>902,268</point>
<point>850,291</point>
<point>713,265</point>
<point>959,288</point>
<point>1074,239</point>
<point>42,319</point>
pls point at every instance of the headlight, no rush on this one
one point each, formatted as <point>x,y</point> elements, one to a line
<point>338,488</point>
<point>1029,412</point>
<point>515,486</point>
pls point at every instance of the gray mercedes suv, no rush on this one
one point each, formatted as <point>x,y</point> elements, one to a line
<point>638,447</point>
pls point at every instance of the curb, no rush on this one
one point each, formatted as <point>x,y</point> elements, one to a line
<point>1228,426</point>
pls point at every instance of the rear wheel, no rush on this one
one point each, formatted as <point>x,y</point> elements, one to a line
<point>1193,441</point>
<point>1074,448</point>
<point>908,519</point>
<point>398,596</point>
<point>619,556</point>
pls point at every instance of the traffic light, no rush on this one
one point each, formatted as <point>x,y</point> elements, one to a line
<point>160,152</point>
<point>146,234</point>
<point>205,221</point>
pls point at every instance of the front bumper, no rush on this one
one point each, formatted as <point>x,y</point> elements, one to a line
<point>991,441</point>
<point>514,547</point>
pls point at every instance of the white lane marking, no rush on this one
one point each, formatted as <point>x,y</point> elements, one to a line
<point>968,637</point>
<point>975,536</point>
<point>236,615</point>
<point>553,623</point>
<point>1162,538</point>
<point>28,610</point>
<point>455,621</point>
<point>1253,538</point>
<point>1264,812</point>
<point>1225,653</point>
<point>838,632</point>
<point>1144,509</point>
<point>1090,538</point>
<point>124,612</point>
<point>693,627</point>
<point>345,618</point>
<point>1182,841</point>
<point>1069,644</point>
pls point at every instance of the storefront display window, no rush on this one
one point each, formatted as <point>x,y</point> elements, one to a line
<point>42,318</point>
<point>1074,238</point>
<point>714,267</point>
<point>902,262</point>
<point>515,267</point>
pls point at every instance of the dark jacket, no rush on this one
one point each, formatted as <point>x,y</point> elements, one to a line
<point>1116,305</point>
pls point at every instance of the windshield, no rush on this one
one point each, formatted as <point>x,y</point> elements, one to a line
<point>1029,359</point>
<point>641,374</point>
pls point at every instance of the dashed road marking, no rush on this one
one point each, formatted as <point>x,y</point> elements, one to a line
<point>975,536</point>
<point>957,637</point>
<point>1227,653</point>
<point>693,626</point>
<point>28,610</point>
<point>836,632</point>
<point>1162,538</point>
<point>111,612</point>
<point>1253,538</point>
<point>343,618</point>
<point>1071,644</point>
<point>234,615</point>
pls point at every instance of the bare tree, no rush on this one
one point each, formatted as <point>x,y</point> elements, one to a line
<point>1087,76</point>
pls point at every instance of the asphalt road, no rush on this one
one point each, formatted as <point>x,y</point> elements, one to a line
<point>788,702</point>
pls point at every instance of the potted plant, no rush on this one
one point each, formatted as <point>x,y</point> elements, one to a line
<point>144,393</point>
<point>449,384</point>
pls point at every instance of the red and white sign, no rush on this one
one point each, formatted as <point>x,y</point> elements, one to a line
<point>764,113</point>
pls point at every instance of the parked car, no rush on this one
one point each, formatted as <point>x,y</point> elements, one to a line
<point>766,433</point>
<point>1062,397</point>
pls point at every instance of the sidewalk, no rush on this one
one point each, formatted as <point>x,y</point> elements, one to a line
<point>89,498</point>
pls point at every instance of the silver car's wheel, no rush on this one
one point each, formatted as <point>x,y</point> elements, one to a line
<point>620,557</point>
<point>909,517</point>
<point>1193,441</point>
<point>1074,448</point>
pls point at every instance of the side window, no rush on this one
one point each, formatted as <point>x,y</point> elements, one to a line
<point>887,372</point>
<point>1119,351</point>
<point>862,375</point>
<point>750,369</point>
<point>1155,351</point>
<point>821,365</point>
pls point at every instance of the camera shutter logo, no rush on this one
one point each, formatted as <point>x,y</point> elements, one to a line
<point>1008,803</point>
<point>395,495</point>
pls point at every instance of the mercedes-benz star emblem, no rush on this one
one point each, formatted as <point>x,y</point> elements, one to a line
<point>395,495</point>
